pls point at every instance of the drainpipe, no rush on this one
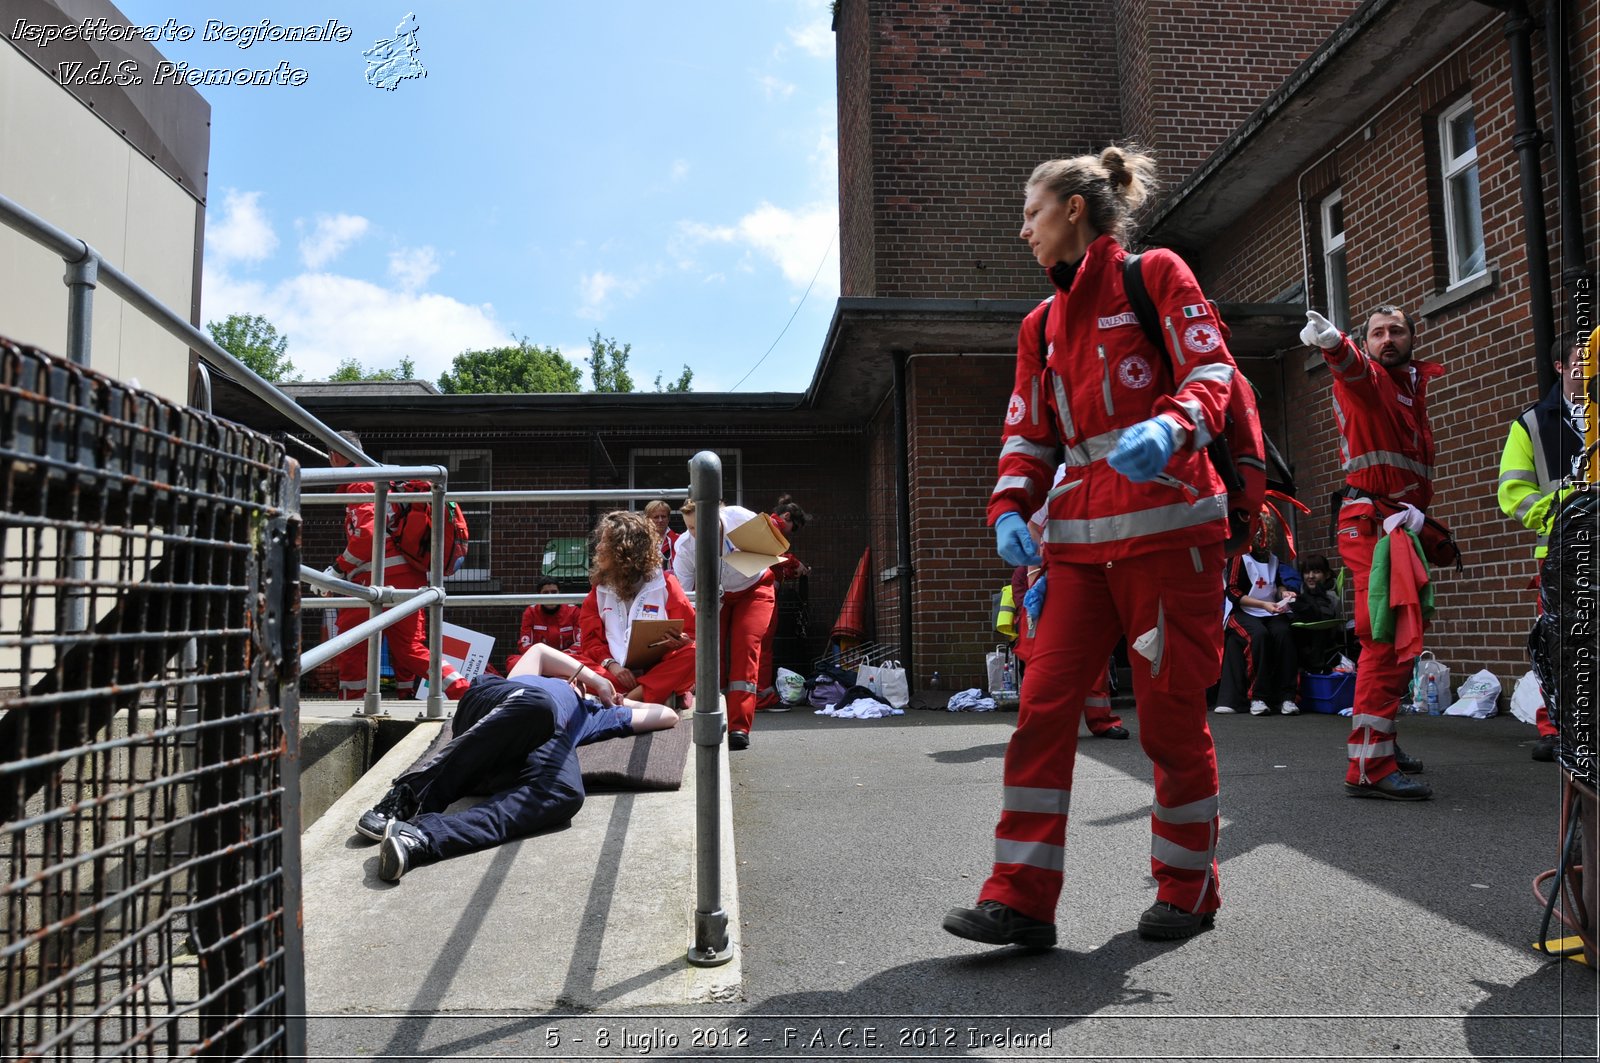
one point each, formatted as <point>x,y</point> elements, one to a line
<point>1519,27</point>
<point>902,478</point>
<point>1577,278</point>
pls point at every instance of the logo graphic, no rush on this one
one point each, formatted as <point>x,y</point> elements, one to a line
<point>1197,310</point>
<point>1119,320</point>
<point>1202,337</point>
<point>1135,372</point>
<point>393,61</point>
<point>1017,410</point>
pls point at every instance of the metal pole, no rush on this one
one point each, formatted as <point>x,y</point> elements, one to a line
<point>1526,141</point>
<point>81,278</point>
<point>436,611</point>
<point>372,702</point>
<point>359,634</point>
<point>711,947</point>
<point>902,506</point>
<point>285,547</point>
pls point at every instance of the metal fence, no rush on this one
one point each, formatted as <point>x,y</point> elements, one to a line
<point>149,825</point>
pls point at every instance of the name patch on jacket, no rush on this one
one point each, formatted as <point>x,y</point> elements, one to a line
<point>1119,320</point>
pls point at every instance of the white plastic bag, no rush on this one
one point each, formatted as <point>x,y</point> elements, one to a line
<point>1477,696</point>
<point>1427,664</point>
<point>1527,698</point>
<point>997,665</point>
<point>893,686</point>
<point>791,687</point>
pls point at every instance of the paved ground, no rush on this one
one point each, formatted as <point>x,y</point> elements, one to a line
<point>1351,929</point>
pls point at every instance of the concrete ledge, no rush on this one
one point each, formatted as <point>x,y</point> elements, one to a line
<point>334,754</point>
<point>599,914</point>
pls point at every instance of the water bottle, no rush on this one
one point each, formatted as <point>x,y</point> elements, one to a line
<point>1008,677</point>
<point>1433,696</point>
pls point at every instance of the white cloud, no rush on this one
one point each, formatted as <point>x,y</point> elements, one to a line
<point>242,233</point>
<point>776,88</point>
<point>796,241</point>
<point>329,318</point>
<point>680,169</point>
<point>413,267</point>
<point>596,289</point>
<point>329,237</point>
<point>815,38</point>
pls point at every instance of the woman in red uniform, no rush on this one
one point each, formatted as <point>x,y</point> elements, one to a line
<point>1133,544</point>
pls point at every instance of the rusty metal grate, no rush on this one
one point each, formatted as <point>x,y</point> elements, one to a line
<point>149,862</point>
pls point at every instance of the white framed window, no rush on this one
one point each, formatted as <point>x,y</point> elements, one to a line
<point>1333,264</point>
<point>1463,212</point>
<point>470,470</point>
<point>662,468</point>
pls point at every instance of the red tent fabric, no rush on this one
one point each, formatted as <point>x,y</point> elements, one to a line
<point>852,622</point>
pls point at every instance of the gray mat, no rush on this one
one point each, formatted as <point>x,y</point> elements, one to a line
<point>651,761</point>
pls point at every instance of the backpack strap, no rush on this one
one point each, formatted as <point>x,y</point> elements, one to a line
<point>1144,308</point>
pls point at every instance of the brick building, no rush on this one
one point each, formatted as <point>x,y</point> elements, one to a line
<point>1357,152</point>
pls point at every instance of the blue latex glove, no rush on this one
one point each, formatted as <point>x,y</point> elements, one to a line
<point>1011,538</point>
<point>1143,451</point>
<point>1033,602</point>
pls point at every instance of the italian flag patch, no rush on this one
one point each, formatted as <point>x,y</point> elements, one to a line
<point>1197,310</point>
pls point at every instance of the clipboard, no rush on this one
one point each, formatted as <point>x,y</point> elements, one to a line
<point>641,653</point>
<point>758,545</point>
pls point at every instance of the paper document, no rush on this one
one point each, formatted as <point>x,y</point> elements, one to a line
<point>757,545</point>
<point>643,637</point>
<point>466,649</point>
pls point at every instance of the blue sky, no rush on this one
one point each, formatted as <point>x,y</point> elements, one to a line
<point>665,174</point>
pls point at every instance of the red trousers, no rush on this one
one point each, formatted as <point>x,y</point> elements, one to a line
<point>1086,610</point>
<point>1541,719</point>
<point>746,616</point>
<point>673,674</point>
<point>1381,678</point>
<point>1096,704</point>
<point>407,639</point>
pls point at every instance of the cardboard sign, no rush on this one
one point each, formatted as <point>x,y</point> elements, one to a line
<point>643,639</point>
<point>466,649</point>
<point>758,545</point>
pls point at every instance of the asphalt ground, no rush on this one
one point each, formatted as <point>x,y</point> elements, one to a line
<point>1351,929</point>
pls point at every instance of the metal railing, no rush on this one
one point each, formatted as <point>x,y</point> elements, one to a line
<point>86,270</point>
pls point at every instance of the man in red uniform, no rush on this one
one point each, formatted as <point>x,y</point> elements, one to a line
<point>1386,446</point>
<point>407,638</point>
<point>552,625</point>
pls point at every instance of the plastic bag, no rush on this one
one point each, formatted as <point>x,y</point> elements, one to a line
<point>889,682</point>
<point>1427,664</point>
<point>1527,698</point>
<point>1477,697</point>
<point>791,687</point>
<point>1000,670</point>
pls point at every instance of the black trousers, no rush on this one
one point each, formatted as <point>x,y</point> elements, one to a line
<point>1258,661</point>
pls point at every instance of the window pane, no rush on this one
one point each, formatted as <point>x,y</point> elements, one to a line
<point>1466,225</point>
<point>1338,290</point>
<point>1335,219</point>
<point>1463,134</point>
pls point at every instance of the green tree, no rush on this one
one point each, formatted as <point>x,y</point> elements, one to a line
<point>351,371</point>
<point>252,339</point>
<point>521,369</point>
<point>608,364</point>
<point>679,385</point>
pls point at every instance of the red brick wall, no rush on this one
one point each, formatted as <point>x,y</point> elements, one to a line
<point>965,100</point>
<point>1394,250</point>
<point>1193,70</point>
<point>957,408</point>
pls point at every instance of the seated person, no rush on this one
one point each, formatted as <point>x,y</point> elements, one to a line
<point>629,584</point>
<point>1257,639</point>
<point>514,739</point>
<point>659,513</point>
<point>1317,649</point>
<point>549,625</point>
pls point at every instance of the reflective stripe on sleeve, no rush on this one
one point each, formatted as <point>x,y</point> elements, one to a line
<point>1011,483</point>
<point>1527,504</point>
<point>1093,449</point>
<point>1033,854</point>
<point>1201,811</point>
<point>1169,852</point>
<point>1036,799</point>
<point>1517,476</point>
<point>1038,451</point>
<point>1218,371</point>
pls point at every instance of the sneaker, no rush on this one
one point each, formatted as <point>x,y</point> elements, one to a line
<point>398,803</point>
<point>1259,708</point>
<point>1118,732</point>
<point>994,923</point>
<point>1544,748</point>
<point>1405,762</point>
<point>1394,786</point>
<point>1167,922</point>
<point>402,844</point>
<point>1224,710</point>
<point>738,739</point>
<point>1289,708</point>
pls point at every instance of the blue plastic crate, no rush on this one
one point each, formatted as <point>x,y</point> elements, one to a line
<point>1327,693</point>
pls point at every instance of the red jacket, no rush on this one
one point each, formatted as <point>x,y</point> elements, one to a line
<point>593,645</point>
<point>558,629</point>
<point>1385,442</point>
<point>355,564</point>
<point>1098,377</point>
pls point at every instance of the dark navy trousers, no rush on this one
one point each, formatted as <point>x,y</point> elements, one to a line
<point>516,740</point>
